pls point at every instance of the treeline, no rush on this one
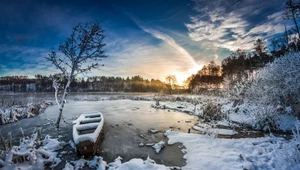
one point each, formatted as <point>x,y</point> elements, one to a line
<point>117,84</point>
<point>240,64</point>
<point>209,77</point>
<point>41,83</point>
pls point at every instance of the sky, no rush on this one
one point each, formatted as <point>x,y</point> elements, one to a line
<point>150,38</point>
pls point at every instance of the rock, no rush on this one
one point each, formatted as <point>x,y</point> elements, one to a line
<point>153,130</point>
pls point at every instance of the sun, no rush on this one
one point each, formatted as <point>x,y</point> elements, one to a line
<point>195,69</point>
<point>182,76</point>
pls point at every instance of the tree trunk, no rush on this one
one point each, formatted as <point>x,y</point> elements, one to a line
<point>62,103</point>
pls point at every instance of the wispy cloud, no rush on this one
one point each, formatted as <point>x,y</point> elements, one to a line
<point>148,60</point>
<point>170,41</point>
<point>183,63</point>
<point>234,24</point>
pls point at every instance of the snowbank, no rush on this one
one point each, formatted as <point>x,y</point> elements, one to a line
<point>98,163</point>
<point>148,164</point>
<point>215,131</point>
<point>205,152</point>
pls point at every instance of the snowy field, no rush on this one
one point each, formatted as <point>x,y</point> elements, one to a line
<point>201,150</point>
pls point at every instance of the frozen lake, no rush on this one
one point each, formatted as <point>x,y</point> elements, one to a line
<point>125,122</point>
<point>36,97</point>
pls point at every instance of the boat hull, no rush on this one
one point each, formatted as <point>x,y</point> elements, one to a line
<point>88,133</point>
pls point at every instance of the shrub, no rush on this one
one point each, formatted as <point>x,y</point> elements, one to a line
<point>212,111</point>
<point>278,83</point>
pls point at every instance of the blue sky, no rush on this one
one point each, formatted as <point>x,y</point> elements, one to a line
<point>151,38</point>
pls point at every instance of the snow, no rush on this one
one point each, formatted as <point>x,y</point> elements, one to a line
<point>83,118</point>
<point>201,151</point>
<point>68,166</point>
<point>87,126</point>
<point>247,113</point>
<point>153,130</point>
<point>286,122</point>
<point>216,131</point>
<point>205,152</point>
<point>135,163</point>
<point>29,155</point>
<point>177,106</point>
<point>224,132</point>
<point>52,144</point>
<point>96,163</point>
<point>9,114</point>
<point>72,144</point>
<point>210,153</point>
<point>158,146</point>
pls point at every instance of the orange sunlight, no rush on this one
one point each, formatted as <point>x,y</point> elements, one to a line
<point>182,76</point>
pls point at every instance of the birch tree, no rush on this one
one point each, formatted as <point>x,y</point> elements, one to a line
<point>78,54</point>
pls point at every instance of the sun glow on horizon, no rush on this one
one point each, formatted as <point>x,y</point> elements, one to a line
<point>182,76</point>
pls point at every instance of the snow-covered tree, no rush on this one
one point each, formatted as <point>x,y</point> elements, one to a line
<point>278,83</point>
<point>275,85</point>
<point>78,54</point>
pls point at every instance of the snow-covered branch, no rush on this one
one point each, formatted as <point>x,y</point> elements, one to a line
<point>80,53</point>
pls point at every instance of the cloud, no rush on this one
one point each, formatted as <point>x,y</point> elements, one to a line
<point>186,64</point>
<point>153,54</point>
<point>171,42</point>
<point>22,60</point>
<point>147,60</point>
<point>235,24</point>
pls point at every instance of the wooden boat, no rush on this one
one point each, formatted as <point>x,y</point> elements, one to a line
<point>88,133</point>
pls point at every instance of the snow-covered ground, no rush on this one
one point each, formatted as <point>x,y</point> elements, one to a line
<point>246,113</point>
<point>209,153</point>
<point>206,151</point>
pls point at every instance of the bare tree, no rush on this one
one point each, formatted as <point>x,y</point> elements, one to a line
<point>80,53</point>
<point>171,80</point>
<point>292,11</point>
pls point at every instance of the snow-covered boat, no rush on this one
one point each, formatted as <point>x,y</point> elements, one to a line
<point>88,133</point>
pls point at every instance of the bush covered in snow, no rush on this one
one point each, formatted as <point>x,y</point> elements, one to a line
<point>9,114</point>
<point>32,153</point>
<point>273,90</point>
<point>212,111</point>
<point>278,83</point>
